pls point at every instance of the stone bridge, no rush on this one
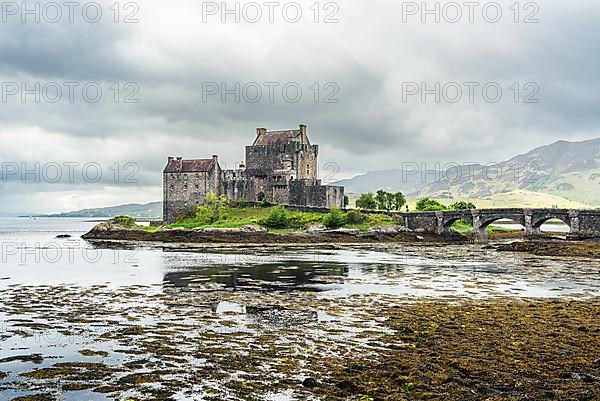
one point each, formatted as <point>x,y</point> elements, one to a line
<point>583,223</point>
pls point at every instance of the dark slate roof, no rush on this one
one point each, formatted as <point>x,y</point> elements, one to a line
<point>189,166</point>
<point>273,137</point>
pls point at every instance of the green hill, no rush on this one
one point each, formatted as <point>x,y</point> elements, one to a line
<point>563,174</point>
<point>148,210</point>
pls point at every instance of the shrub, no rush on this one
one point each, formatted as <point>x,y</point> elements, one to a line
<point>241,203</point>
<point>189,214</point>
<point>334,219</point>
<point>124,221</point>
<point>355,217</point>
<point>366,201</point>
<point>305,219</point>
<point>462,205</point>
<point>213,209</point>
<point>378,220</point>
<point>427,204</point>
<point>277,218</point>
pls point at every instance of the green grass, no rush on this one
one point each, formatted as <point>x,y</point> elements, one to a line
<point>237,217</point>
<point>231,218</point>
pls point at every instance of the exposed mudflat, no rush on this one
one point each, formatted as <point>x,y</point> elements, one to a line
<point>586,249</point>
<point>145,343</point>
<point>413,320</point>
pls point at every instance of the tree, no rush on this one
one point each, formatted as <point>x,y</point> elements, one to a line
<point>389,201</point>
<point>398,201</point>
<point>381,199</point>
<point>213,208</point>
<point>427,204</point>
<point>355,217</point>
<point>366,201</point>
<point>462,205</point>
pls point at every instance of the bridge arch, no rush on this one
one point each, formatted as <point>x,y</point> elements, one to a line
<point>485,217</point>
<point>485,224</point>
<point>446,219</point>
<point>539,222</point>
<point>486,220</point>
<point>449,222</point>
<point>582,223</point>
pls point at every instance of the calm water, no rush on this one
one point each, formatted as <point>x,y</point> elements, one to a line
<point>61,296</point>
<point>31,254</point>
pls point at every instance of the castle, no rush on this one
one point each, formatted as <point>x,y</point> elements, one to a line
<point>281,168</point>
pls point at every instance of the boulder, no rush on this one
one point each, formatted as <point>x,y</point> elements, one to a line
<point>253,229</point>
<point>315,228</point>
<point>389,229</point>
<point>243,229</point>
<point>347,231</point>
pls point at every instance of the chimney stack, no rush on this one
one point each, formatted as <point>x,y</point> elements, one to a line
<point>170,159</point>
<point>261,131</point>
<point>303,133</point>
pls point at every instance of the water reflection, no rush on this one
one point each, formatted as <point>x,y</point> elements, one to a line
<point>300,275</point>
<point>32,255</point>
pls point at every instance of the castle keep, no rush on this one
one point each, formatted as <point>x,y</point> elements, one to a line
<point>281,167</point>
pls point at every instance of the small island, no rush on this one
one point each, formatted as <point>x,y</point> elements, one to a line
<point>221,220</point>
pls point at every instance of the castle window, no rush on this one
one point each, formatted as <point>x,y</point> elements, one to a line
<point>185,187</point>
<point>307,169</point>
<point>197,186</point>
<point>172,187</point>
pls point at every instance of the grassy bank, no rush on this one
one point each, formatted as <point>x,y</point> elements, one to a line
<point>279,220</point>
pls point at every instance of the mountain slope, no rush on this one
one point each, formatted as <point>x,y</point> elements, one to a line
<point>148,210</point>
<point>565,174</point>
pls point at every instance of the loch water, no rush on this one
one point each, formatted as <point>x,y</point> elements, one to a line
<point>48,275</point>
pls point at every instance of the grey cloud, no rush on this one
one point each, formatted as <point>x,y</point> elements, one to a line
<point>368,54</point>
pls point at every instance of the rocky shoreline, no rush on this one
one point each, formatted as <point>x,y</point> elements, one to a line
<point>510,241</point>
<point>587,249</point>
<point>255,234</point>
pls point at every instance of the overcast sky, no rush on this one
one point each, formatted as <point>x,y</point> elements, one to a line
<point>356,63</point>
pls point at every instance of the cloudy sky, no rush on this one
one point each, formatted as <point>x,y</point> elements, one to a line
<point>377,82</point>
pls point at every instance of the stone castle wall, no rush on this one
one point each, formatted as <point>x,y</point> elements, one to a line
<point>281,168</point>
